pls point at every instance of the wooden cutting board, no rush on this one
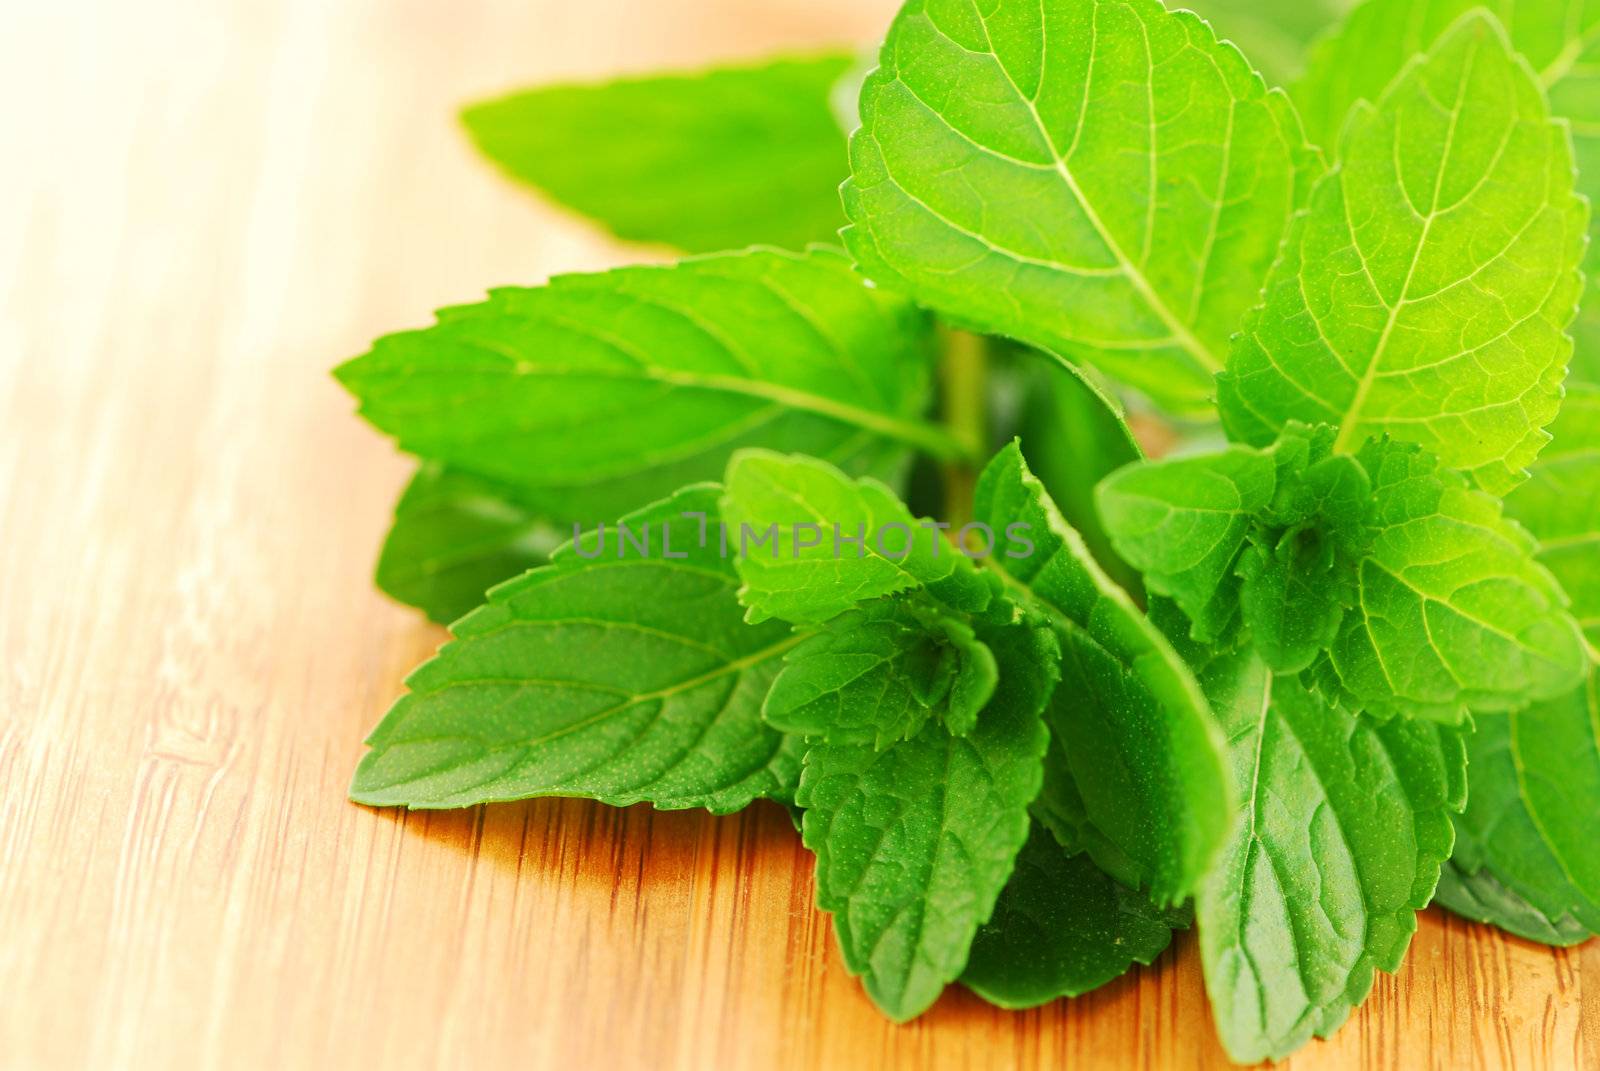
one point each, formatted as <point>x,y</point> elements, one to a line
<point>207,204</point>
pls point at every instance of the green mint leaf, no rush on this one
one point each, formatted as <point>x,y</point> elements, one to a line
<point>1425,292</point>
<point>1560,505</point>
<point>1296,574</point>
<point>604,674</point>
<point>812,543</point>
<point>1292,598</point>
<point>1098,178</point>
<point>1062,927</point>
<point>1059,808</point>
<point>1525,855</point>
<point>1343,824</point>
<point>1427,600</point>
<point>1532,814</point>
<point>877,674</point>
<point>1072,435</point>
<point>1135,731</point>
<point>1452,611</point>
<point>704,161</point>
<point>1378,38</point>
<point>915,842</point>
<point>1484,898</point>
<point>1559,38</point>
<point>599,392</point>
<point>454,537</point>
<point>1182,523</point>
<point>1314,484</point>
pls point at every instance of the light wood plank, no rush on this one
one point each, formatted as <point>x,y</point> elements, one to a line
<point>209,204</point>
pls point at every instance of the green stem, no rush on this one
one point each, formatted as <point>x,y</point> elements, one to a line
<point>964,388</point>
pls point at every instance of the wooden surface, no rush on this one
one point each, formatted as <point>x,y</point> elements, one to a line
<point>206,204</point>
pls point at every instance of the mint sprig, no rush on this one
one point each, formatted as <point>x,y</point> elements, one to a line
<point>1318,641</point>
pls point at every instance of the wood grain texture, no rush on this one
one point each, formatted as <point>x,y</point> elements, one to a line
<point>207,204</point>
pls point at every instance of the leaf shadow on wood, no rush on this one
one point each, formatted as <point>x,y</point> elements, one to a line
<point>641,877</point>
<point>582,842</point>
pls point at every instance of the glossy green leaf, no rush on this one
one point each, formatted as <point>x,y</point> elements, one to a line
<point>1452,611</point>
<point>1314,485</point>
<point>1343,824</point>
<point>1098,178</point>
<point>1062,927</point>
<point>1526,857</point>
<point>704,161</point>
<point>454,537</point>
<point>1560,505</point>
<point>1183,522</point>
<point>1292,598</point>
<point>1073,435</point>
<point>1059,809</point>
<point>811,543</point>
<point>915,842</point>
<point>1426,291</point>
<point>598,392</point>
<point>1482,897</point>
<point>1559,38</point>
<point>1135,731</point>
<point>1297,570</point>
<point>1379,37</point>
<point>1531,818</point>
<point>877,674</point>
<point>1426,598</point>
<point>604,674</point>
